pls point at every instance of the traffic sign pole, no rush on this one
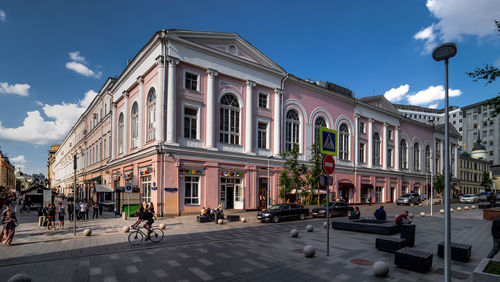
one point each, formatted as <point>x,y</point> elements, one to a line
<point>327,220</point>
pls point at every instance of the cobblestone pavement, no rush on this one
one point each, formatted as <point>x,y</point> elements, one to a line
<point>242,252</point>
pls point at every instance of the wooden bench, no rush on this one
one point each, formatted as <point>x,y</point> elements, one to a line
<point>459,251</point>
<point>389,244</point>
<point>413,259</point>
<point>232,218</point>
<point>203,218</point>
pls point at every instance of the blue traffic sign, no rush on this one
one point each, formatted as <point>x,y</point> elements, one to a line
<point>128,188</point>
<point>328,141</point>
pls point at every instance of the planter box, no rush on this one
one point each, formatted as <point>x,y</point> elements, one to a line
<point>491,214</point>
<point>479,276</point>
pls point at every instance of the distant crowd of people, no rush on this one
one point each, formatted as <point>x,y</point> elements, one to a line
<point>213,214</point>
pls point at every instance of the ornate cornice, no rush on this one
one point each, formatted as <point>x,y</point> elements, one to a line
<point>212,73</point>
<point>251,83</point>
<point>172,61</point>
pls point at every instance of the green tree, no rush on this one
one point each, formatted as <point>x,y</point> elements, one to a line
<point>19,184</point>
<point>315,171</point>
<point>292,175</point>
<point>488,73</point>
<point>439,182</point>
<point>487,182</point>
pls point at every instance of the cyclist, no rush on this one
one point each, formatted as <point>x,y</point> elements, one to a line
<point>149,216</point>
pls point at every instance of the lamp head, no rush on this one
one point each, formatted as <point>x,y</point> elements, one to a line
<point>444,51</point>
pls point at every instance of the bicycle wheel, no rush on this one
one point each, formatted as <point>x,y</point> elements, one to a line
<point>135,237</point>
<point>156,235</point>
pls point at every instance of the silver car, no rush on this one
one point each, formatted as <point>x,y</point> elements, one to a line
<point>408,199</point>
<point>469,199</point>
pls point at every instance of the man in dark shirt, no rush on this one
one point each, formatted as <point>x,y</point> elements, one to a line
<point>148,215</point>
<point>495,233</point>
<point>380,213</point>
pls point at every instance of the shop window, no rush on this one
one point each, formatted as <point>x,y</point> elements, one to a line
<point>192,190</point>
<point>146,188</point>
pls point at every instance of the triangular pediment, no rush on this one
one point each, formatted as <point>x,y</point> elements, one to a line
<point>230,44</point>
<point>380,102</point>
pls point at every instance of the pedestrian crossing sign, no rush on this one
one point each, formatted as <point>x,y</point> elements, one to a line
<point>328,141</point>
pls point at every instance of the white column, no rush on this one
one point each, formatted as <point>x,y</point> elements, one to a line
<point>249,117</point>
<point>126,132</point>
<point>384,146</point>
<point>160,100</point>
<point>210,120</point>
<point>171,100</point>
<point>356,140</point>
<point>370,143</point>
<point>113,131</point>
<point>396,148</point>
<point>140,136</point>
<point>277,122</point>
<point>441,157</point>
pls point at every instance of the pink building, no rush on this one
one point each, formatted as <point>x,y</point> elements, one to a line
<point>206,115</point>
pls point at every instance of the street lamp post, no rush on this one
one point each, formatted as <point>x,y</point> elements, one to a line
<point>268,202</point>
<point>444,52</point>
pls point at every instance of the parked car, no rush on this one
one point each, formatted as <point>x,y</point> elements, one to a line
<point>484,196</point>
<point>283,211</point>
<point>336,209</point>
<point>469,198</point>
<point>408,198</point>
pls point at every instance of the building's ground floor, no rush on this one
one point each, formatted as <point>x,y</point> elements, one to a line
<point>467,187</point>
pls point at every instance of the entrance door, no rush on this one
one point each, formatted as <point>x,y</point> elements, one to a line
<point>229,196</point>
<point>238,196</point>
<point>393,194</point>
<point>262,193</point>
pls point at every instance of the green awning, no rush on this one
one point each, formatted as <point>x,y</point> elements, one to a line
<point>97,178</point>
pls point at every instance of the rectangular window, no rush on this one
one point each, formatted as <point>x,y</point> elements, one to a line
<point>362,154</point>
<point>459,129</point>
<point>263,101</point>
<point>190,123</point>
<point>262,135</point>
<point>192,190</point>
<point>191,81</point>
<point>389,157</point>
<point>146,188</point>
<point>379,194</point>
<point>362,127</point>
<point>391,134</point>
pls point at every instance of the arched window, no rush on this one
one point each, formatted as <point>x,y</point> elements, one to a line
<point>344,142</point>
<point>416,157</point>
<point>403,154</point>
<point>120,134</point>
<point>150,115</point>
<point>134,126</point>
<point>292,129</point>
<point>428,158</point>
<point>318,123</point>
<point>229,120</point>
<point>376,148</point>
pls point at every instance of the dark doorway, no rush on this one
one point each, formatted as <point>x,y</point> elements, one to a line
<point>229,197</point>
<point>393,191</point>
<point>262,193</point>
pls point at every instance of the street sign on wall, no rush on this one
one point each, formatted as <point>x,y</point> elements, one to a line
<point>328,164</point>
<point>328,141</point>
<point>128,189</point>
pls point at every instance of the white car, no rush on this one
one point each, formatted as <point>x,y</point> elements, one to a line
<point>469,198</point>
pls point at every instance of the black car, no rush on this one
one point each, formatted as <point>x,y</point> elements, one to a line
<point>336,209</point>
<point>484,196</point>
<point>283,211</point>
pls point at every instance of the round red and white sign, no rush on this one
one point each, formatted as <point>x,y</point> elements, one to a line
<point>328,164</point>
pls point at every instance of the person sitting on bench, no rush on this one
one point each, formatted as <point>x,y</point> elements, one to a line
<point>403,218</point>
<point>355,213</point>
<point>380,213</point>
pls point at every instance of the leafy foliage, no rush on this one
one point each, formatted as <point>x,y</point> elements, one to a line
<point>316,170</point>
<point>487,182</point>
<point>292,175</point>
<point>439,182</point>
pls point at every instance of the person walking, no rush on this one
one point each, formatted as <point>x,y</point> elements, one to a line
<point>83,210</point>
<point>101,206</point>
<point>61,212</point>
<point>70,211</point>
<point>370,201</point>
<point>9,222</point>
<point>87,209</point>
<point>51,215</point>
<point>495,233</point>
<point>95,210</point>
<point>28,204</point>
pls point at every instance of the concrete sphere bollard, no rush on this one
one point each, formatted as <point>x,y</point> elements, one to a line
<point>380,269</point>
<point>459,209</point>
<point>163,226</point>
<point>411,215</point>
<point>411,205</point>
<point>87,232</point>
<point>452,210</point>
<point>20,277</point>
<point>420,204</point>
<point>309,228</point>
<point>309,251</point>
<point>126,229</point>
<point>473,207</point>
<point>466,208</point>
<point>325,225</point>
<point>295,233</point>
<point>220,221</point>
<point>441,211</point>
<point>422,214</point>
<point>243,220</point>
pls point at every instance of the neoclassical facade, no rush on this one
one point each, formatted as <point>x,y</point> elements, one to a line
<point>201,118</point>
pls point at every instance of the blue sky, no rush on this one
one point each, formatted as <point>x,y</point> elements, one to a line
<point>55,55</point>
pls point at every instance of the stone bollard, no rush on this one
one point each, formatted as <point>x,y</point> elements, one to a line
<point>243,220</point>
<point>451,210</point>
<point>411,205</point>
<point>294,233</point>
<point>325,225</point>
<point>309,251</point>
<point>473,207</point>
<point>459,209</point>
<point>422,214</point>
<point>380,269</point>
<point>220,221</point>
<point>126,229</point>
<point>20,277</point>
<point>441,211</point>
<point>87,232</point>
<point>466,208</point>
<point>411,215</point>
<point>309,228</point>
<point>163,226</point>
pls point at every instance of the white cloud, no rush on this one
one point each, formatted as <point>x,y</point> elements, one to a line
<point>2,15</point>
<point>459,18</point>
<point>39,103</point>
<point>19,159</point>
<point>79,65</point>
<point>430,95</point>
<point>19,89</point>
<point>433,106</point>
<point>397,94</point>
<point>38,130</point>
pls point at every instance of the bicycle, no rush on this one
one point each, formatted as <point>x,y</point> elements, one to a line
<point>135,237</point>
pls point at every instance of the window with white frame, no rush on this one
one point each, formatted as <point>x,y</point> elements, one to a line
<point>362,127</point>
<point>151,115</point>
<point>292,129</point>
<point>263,101</point>
<point>318,123</point>
<point>390,155</point>
<point>190,123</point>
<point>191,81</point>
<point>428,158</point>
<point>104,148</point>
<point>362,153</point>
<point>376,148</point>
<point>403,155</point>
<point>344,142</point>
<point>146,188</point>
<point>134,136</point>
<point>191,190</point>
<point>390,134</point>
<point>262,135</point>
<point>120,134</point>
<point>416,157</point>
<point>229,120</point>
